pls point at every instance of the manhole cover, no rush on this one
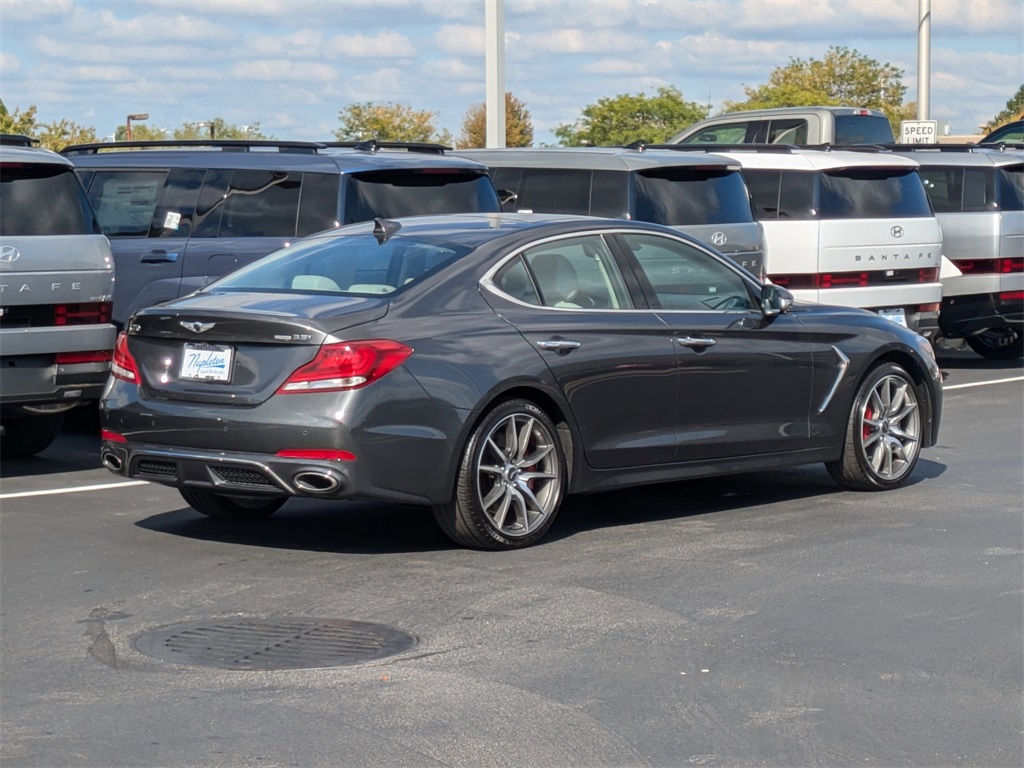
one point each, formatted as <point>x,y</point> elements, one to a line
<point>268,644</point>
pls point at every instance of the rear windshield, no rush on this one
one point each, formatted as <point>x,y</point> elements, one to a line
<point>863,129</point>
<point>393,194</point>
<point>873,193</point>
<point>355,264</point>
<point>678,197</point>
<point>43,199</point>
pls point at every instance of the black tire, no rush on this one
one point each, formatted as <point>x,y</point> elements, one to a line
<point>28,435</point>
<point>883,432</point>
<point>230,507</point>
<point>508,489</point>
<point>998,344</point>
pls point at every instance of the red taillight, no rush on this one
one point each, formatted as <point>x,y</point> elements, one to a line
<point>1008,266</point>
<point>123,365</point>
<point>113,437</point>
<point>316,454</point>
<point>346,365</point>
<point>82,314</point>
<point>843,280</point>
<point>1011,296</point>
<point>73,358</point>
<point>794,282</point>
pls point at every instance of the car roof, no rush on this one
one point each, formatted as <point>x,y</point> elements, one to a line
<point>783,111</point>
<point>963,154</point>
<point>18,154</point>
<point>593,158</point>
<point>823,158</point>
<point>325,157</point>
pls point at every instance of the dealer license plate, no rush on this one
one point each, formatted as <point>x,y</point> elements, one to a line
<point>206,362</point>
<point>898,316</point>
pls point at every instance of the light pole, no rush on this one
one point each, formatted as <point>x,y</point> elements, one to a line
<point>211,125</point>
<point>128,123</point>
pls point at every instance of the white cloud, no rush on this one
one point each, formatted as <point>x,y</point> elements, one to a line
<point>461,39</point>
<point>384,45</point>
<point>283,70</point>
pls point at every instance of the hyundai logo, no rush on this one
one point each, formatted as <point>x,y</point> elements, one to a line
<point>9,253</point>
<point>719,239</point>
<point>195,326</point>
<point>896,231</point>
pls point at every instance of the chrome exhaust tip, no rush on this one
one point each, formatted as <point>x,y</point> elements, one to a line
<point>112,461</point>
<point>315,481</point>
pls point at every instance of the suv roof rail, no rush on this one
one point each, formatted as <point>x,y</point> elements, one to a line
<point>781,148</point>
<point>16,140</point>
<point>224,145</point>
<point>373,146</point>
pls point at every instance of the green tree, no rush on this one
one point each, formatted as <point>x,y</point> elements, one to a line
<point>1014,111</point>
<point>388,122</point>
<point>218,130</point>
<point>140,132</point>
<point>55,135</point>
<point>843,78</point>
<point>518,126</point>
<point>20,123</point>
<point>61,133</point>
<point>627,118</point>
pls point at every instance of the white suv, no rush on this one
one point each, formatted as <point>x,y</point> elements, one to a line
<point>849,228</point>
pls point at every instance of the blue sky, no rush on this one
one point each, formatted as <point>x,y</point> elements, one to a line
<point>292,65</point>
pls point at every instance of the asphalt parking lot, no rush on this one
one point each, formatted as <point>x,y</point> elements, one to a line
<point>765,619</point>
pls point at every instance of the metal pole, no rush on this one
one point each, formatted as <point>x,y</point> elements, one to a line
<point>494,104</point>
<point>924,58</point>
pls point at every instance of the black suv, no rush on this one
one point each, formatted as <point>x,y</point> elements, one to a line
<point>181,213</point>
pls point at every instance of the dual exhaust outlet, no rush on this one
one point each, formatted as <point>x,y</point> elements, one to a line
<point>313,481</point>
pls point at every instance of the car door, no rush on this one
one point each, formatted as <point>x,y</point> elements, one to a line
<point>147,214</point>
<point>615,363</point>
<point>745,380</point>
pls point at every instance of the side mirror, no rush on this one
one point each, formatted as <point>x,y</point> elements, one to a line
<point>775,300</point>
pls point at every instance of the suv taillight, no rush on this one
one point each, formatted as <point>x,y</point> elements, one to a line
<point>123,365</point>
<point>346,365</point>
<point>82,314</point>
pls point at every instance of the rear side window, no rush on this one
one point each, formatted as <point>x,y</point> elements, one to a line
<point>679,197</point>
<point>787,195</point>
<point>392,194</point>
<point>259,203</point>
<point>863,129</point>
<point>873,193</point>
<point>956,189</point>
<point>730,133</point>
<point>790,131</point>
<point>1011,188</point>
<point>43,199</point>
<point>554,190</point>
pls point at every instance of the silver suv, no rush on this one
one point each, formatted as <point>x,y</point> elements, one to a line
<point>56,297</point>
<point>791,125</point>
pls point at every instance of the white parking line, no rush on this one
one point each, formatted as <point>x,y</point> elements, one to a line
<point>981,383</point>
<point>79,489</point>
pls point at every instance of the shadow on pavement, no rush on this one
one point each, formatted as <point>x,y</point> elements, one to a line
<point>367,528</point>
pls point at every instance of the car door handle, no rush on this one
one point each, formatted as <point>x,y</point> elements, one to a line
<point>695,341</point>
<point>559,345</point>
<point>159,257</point>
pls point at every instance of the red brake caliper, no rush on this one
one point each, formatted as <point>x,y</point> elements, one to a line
<point>867,416</point>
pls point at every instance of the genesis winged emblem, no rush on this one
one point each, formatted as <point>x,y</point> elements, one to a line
<point>195,326</point>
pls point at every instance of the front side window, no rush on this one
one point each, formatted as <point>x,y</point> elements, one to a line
<point>873,193</point>
<point>678,197</point>
<point>125,201</point>
<point>683,277</point>
<point>395,193</point>
<point>43,199</point>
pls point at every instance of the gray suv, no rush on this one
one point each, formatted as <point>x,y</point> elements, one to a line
<point>699,194</point>
<point>181,213</point>
<point>56,285</point>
